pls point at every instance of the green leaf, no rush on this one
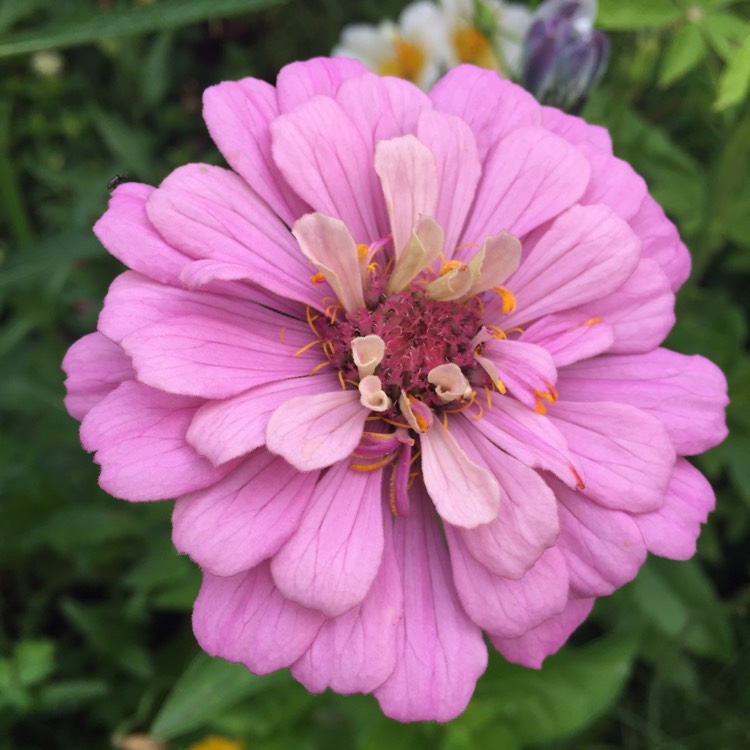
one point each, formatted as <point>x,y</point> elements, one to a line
<point>206,688</point>
<point>616,15</point>
<point>724,32</point>
<point>70,695</point>
<point>685,51</point>
<point>680,601</point>
<point>35,661</point>
<point>127,21</point>
<point>735,80</point>
<point>573,687</point>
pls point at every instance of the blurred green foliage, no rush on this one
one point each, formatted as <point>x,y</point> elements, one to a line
<point>95,641</point>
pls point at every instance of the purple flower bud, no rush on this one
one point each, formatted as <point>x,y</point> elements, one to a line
<point>563,56</point>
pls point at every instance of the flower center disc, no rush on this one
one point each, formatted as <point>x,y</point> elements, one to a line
<point>419,334</point>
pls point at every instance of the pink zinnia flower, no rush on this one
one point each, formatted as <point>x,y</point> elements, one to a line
<point>401,370</point>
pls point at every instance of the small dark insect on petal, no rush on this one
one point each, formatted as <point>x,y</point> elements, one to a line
<point>118,179</point>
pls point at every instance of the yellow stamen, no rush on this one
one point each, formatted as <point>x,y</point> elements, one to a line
<point>499,333</point>
<point>414,457</point>
<point>394,423</point>
<point>332,315</point>
<point>281,335</point>
<point>378,435</point>
<point>341,380</point>
<point>318,278</point>
<point>412,477</point>
<point>579,481</point>
<point>374,466</point>
<point>508,298</point>
<point>319,367</point>
<point>328,349</point>
<point>500,386</point>
<point>362,250</point>
<point>392,493</point>
<point>306,347</point>
<point>593,321</point>
<point>311,319</point>
<point>450,265</point>
<point>481,411</point>
<point>445,421</point>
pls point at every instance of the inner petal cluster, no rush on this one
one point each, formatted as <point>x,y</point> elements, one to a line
<point>419,334</point>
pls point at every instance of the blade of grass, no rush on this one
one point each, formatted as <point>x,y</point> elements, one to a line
<point>167,14</point>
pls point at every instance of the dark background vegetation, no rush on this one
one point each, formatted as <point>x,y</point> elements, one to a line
<point>95,641</point>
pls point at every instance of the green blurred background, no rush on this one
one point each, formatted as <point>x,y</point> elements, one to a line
<point>95,641</point>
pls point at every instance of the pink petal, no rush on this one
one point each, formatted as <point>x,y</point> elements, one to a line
<point>463,492</point>
<point>440,653</point>
<point>300,81</point>
<point>95,366</point>
<point>672,530</point>
<point>687,393</point>
<point>211,357</point>
<point>454,147</point>
<point>382,107</point>
<point>661,242</point>
<point>531,177</point>
<point>408,174</point>
<point>356,652</point>
<point>533,647</point>
<point>504,606</point>
<point>575,130</point>
<point>138,434</point>
<point>238,115</point>
<point>526,370</point>
<point>223,430</point>
<point>466,90</point>
<point>127,233</point>
<point>641,311</point>
<point>626,454</point>
<point>329,162</point>
<point>245,619</point>
<point>603,548</point>
<point>530,437</point>
<point>588,253</point>
<point>570,337</point>
<point>527,522</point>
<point>134,301</point>
<point>613,182</point>
<point>331,560</point>
<point>327,244</point>
<point>209,213</point>
<point>312,432</point>
<point>243,519</point>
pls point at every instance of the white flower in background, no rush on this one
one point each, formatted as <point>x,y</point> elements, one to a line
<point>417,48</point>
<point>487,33</point>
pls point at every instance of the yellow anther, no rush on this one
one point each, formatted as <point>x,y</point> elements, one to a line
<point>498,333</point>
<point>373,466</point>
<point>341,380</point>
<point>306,347</point>
<point>319,367</point>
<point>281,335</point>
<point>392,494</point>
<point>362,250</point>
<point>593,321</point>
<point>508,298</point>
<point>481,411</point>
<point>421,422</point>
<point>500,386</point>
<point>318,278</point>
<point>450,265</point>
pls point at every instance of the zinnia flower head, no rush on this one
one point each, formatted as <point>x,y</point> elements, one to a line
<point>400,367</point>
